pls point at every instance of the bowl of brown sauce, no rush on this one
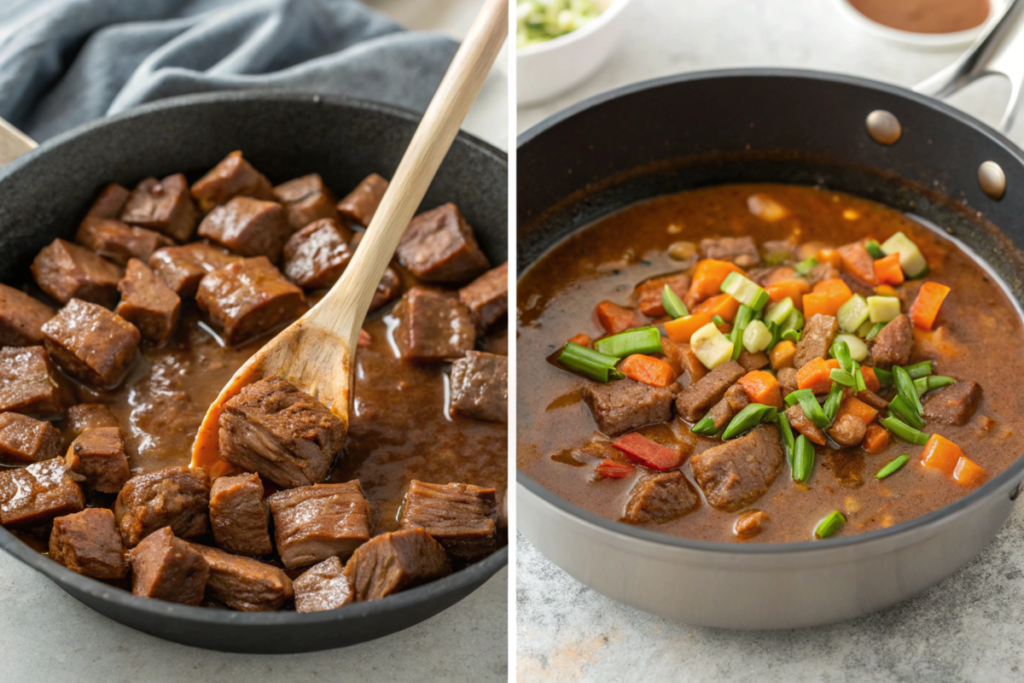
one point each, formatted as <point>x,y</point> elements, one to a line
<point>926,24</point>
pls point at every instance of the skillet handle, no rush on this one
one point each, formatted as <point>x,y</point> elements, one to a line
<point>13,143</point>
<point>999,50</point>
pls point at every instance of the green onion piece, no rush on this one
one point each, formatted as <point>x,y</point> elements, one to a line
<point>788,441</point>
<point>858,381</point>
<point>905,431</point>
<point>593,364</point>
<point>835,397</point>
<point>931,383</point>
<point>795,321</point>
<point>743,317</point>
<point>884,377</point>
<point>718,320</point>
<point>874,248</point>
<point>841,352</point>
<point>748,418</point>
<point>830,524</point>
<point>892,467</point>
<point>811,407</point>
<point>906,389</point>
<point>636,340</point>
<point>899,406</point>
<point>841,376</point>
<point>705,427</point>
<point>674,306</point>
<point>778,312</point>
<point>919,369</point>
<point>806,266</point>
<point>791,335</point>
<point>745,290</point>
<point>803,459</point>
<point>874,331</point>
<point>776,334</point>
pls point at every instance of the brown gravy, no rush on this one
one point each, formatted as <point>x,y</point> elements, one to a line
<point>925,16</point>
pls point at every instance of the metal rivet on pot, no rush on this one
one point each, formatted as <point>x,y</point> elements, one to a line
<point>992,179</point>
<point>883,127</point>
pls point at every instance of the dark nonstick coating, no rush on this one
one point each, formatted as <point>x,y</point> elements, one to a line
<point>44,194</point>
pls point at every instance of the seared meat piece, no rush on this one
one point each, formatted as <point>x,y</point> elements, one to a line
<point>787,380</point>
<point>233,176</point>
<point>89,416</point>
<point>801,423</point>
<point>238,516</point>
<point>848,430</point>
<point>816,339</point>
<point>625,405</point>
<point>312,523</point>
<point>749,524</point>
<point>109,202</point>
<point>433,326</point>
<point>168,568</point>
<point>955,404</point>
<point>162,205</point>
<point>741,470</point>
<point>857,261</point>
<point>487,297</point>
<point>24,440</point>
<point>737,398</point>
<point>305,200</point>
<point>821,272</point>
<point>753,361</point>
<point>177,497</point>
<point>119,241</point>
<point>394,562</point>
<point>21,318</point>
<point>249,227</point>
<point>361,203</point>
<point>682,359</point>
<point>36,494</point>
<point>893,344</point>
<point>461,517</point>
<point>87,543</point>
<point>721,413</point>
<point>439,246</point>
<point>322,587</point>
<point>66,271</point>
<point>873,399</point>
<point>740,250</point>
<point>182,268</point>
<point>696,399</point>
<point>148,303</point>
<point>243,583</point>
<point>479,387</point>
<point>98,456</point>
<point>91,344</point>
<point>317,255</point>
<point>648,293</point>
<point>281,432</point>
<point>389,287</point>
<point>29,384</point>
<point>660,497</point>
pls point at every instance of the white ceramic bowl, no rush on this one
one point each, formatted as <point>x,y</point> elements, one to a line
<point>548,69</point>
<point>921,41</point>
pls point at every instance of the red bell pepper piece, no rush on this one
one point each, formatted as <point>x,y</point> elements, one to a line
<point>648,453</point>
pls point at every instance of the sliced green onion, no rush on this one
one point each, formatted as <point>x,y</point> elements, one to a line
<point>803,459</point>
<point>831,524</point>
<point>748,418</point>
<point>705,427</point>
<point>874,248</point>
<point>918,370</point>
<point>835,397</point>
<point>873,332</point>
<point>884,377</point>
<point>776,334</point>
<point>745,290</point>
<point>858,349</point>
<point>842,377</point>
<point>806,266</point>
<point>841,352</point>
<point>892,467</point>
<point>931,383</point>
<point>788,441</point>
<point>791,335</point>
<point>906,389</point>
<point>743,317</point>
<point>899,406</point>
<point>859,384</point>
<point>904,431</point>
<point>779,311</point>
<point>717,320</point>
<point>673,305</point>
<point>636,340</point>
<point>593,364</point>
<point>852,314</point>
<point>809,404</point>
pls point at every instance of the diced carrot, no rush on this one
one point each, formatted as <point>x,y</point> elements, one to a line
<point>708,278</point>
<point>888,271</point>
<point>833,287</point>
<point>829,256</point>
<point>615,318</point>
<point>782,354</point>
<point>722,304</point>
<point>648,370</point>
<point>793,289</point>
<point>648,453</point>
<point>682,329</point>
<point>581,339</point>
<point>815,375</point>
<point>762,387</point>
<point>926,306</point>
<point>614,470</point>
<point>876,439</point>
<point>886,290</point>
<point>855,406</point>
<point>857,261</point>
<point>826,298</point>
<point>941,454</point>
<point>968,472</point>
<point>870,378</point>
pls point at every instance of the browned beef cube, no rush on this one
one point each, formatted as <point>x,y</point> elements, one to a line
<point>90,343</point>
<point>87,542</point>
<point>394,562</point>
<point>873,399</point>
<point>30,384</point>
<point>740,250</point>
<point>36,494</point>
<point>682,359</point>
<point>317,254</point>
<point>739,471</point>
<point>168,568</point>
<point>848,430</point>
<point>389,287</point>
<point>721,413</point>
<point>248,298</point>
<point>737,398</point>
<point>787,380</point>
<point>119,241</point>
<point>487,297</point>
<point>858,261</point>
<point>439,246</point>
<point>109,202</point>
<point>89,416</point>
<point>233,176</point>
<point>21,318</point>
<point>177,497</point>
<point>323,587</point>
<point>479,383</point>
<point>238,516</point>
<point>305,200</point>
<point>148,303</point>
<point>24,440</point>
<point>697,399</point>
<point>312,523</point>
<point>361,203</point>
<point>801,423</point>
<point>660,497</point>
<point>461,517</point>
<point>821,272</point>
<point>955,404</point>
<point>281,432</point>
<point>182,268</point>
<point>243,583</point>
<point>753,361</point>
<point>162,205</point>
<point>66,271</point>
<point>433,326</point>
<point>894,343</point>
<point>98,455</point>
<point>816,339</point>
<point>249,227</point>
<point>626,405</point>
<point>648,293</point>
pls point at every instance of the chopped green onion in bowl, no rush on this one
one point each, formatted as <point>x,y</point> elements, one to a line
<point>538,21</point>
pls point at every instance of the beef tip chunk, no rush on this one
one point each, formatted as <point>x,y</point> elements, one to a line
<point>248,298</point>
<point>660,497</point>
<point>249,227</point>
<point>30,384</point>
<point>848,430</point>
<point>239,517</point>
<point>148,303</point>
<point>98,456</point>
<point>281,432</point>
<point>66,271</point>
<point>167,568</point>
<point>162,205</point>
<point>312,523</point>
<point>361,203</point>
<point>461,517</point>
<point>753,361</point>
<point>36,494</point>
<point>182,268</point>
<point>626,404</point>
<point>893,344</point>
<point>433,326</point>
<point>487,297</point>
<point>749,524</point>
<point>648,293</point>
<point>389,287</point>
<point>91,344</point>
<point>801,423</point>
<point>739,471</point>
<point>394,562</point>
<point>955,404</point>
<point>787,380</point>
<point>21,318</point>
<point>177,497</point>
<point>721,413</point>
<point>739,250</point>
<point>737,398</point>
<point>317,255</point>
<point>109,202</point>
<point>479,384</point>
<point>821,272</point>
<point>697,398</point>
<point>232,177</point>
<point>89,416</point>
<point>243,583</point>
<point>873,399</point>
<point>305,200</point>
<point>119,241</point>
<point>816,339</point>
<point>682,359</point>
<point>87,543</point>
<point>322,587</point>
<point>24,440</point>
<point>858,263</point>
<point>439,246</point>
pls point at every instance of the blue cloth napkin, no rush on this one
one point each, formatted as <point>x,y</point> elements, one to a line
<point>65,62</point>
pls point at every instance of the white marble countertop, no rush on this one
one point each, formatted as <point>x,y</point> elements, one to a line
<point>968,628</point>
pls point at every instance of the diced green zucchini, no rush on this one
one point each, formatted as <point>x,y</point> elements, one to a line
<point>864,329</point>
<point>882,309</point>
<point>779,311</point>
<point>711,347</point>
<point>795,321</point>
<point>853,313</point>
<point>858,349</point>
<point>911,260</point>
<point>745,291</point>
<point>757,337</point>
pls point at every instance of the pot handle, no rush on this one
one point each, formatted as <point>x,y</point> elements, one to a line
<point>13,143</point>
<point>999,50</point>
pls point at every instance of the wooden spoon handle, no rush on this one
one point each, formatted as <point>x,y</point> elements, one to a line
<point>13,143</point>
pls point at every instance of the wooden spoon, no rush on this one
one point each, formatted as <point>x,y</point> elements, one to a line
<point>316,352</point>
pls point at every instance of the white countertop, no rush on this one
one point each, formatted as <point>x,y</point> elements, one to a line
<point>971,626</point>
